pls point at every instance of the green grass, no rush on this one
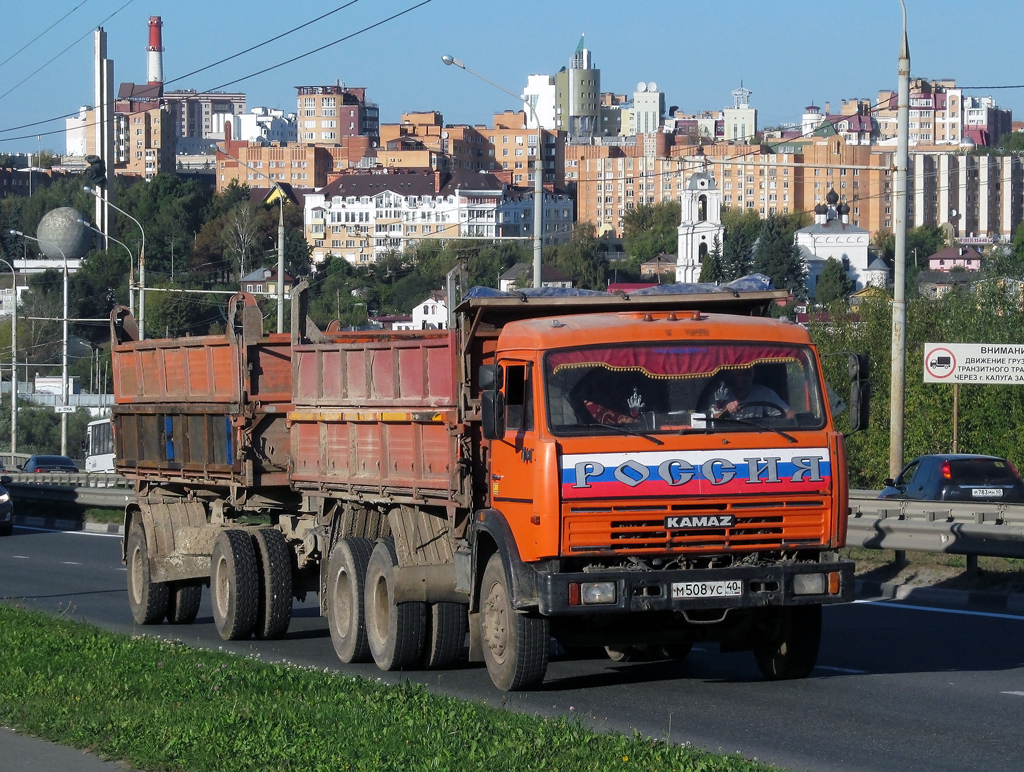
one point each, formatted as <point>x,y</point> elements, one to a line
<point>165,706</point>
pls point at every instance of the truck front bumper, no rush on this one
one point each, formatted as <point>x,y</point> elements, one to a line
<point>626,591</point>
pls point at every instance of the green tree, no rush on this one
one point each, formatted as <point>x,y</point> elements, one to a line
<point>778,258</point>
<point>833,283</point>
<point>711,267</point>
<point>651,229</point>
<point>581,258</point>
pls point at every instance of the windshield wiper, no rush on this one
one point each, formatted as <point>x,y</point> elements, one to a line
<point>748,422</point>
<point>633,432</point>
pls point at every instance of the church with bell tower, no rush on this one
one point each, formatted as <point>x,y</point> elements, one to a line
<point>700,223</point>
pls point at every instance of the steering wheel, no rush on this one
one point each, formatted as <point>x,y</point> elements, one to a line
<point>775,410</point>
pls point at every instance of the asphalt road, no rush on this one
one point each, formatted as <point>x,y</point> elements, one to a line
<point>898,686</point>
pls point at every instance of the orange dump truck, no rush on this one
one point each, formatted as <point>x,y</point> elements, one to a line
<point>634,472</point>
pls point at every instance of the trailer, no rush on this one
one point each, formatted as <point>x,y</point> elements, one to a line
<point>555,465</point>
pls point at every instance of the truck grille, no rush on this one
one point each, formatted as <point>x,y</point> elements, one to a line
<point>640,527</point>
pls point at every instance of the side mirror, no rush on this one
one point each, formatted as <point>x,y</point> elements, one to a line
<point>492,414</point>
<point>491,377</point>
<point>888,482</point>
<point>860,405</point>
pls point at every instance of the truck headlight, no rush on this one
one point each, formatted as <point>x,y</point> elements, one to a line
<point>597,592</point>
<point>809,584</point>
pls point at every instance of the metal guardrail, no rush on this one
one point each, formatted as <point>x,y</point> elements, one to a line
<point>968,528</point>
<point>87,490</point>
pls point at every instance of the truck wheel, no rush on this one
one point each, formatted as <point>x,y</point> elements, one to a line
<point>345,588</point>
<point>183,604</point>
<point>234,582</point>
<point>516,646</point>
<point>148,599</point>
<point>446,634</point>
<point>790,648</point>
<point>274,605</point>
<point>393,630</point>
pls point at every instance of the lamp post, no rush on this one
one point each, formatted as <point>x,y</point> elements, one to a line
<point>899,303</point>
<point>131,262</point>
<point>538,169</point>
<point>14,362</point>
<point>142,261</point>
<point>64,358</point>
<point>280,237</point>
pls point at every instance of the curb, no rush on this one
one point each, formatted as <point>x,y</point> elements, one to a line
<point>974,599</point>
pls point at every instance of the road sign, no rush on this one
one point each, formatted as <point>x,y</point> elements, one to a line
<point>63,408</point>
<point>992,363</point>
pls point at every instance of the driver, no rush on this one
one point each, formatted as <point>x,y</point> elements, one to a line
<point>740,397</point>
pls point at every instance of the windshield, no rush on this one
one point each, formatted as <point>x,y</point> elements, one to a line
<point>707,387</point>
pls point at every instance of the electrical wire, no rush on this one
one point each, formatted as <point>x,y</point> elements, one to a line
<point>33,40</point>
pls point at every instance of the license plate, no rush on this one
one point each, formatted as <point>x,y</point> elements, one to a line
<point>727,589</point>
<point>991,492</point>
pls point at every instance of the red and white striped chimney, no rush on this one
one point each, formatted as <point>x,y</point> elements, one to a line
<point>155,56</point>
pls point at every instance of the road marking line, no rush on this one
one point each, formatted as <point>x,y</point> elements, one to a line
<point>71,563</point>
<point>1014,694</point>
<point>20,557</point>
<point>848,670</point>
<point>961,612</point>
<point>74,533</point>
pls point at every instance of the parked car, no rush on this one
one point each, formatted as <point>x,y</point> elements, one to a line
<point>49,464</point>
<point>956,477</point>
<point>6,508</point>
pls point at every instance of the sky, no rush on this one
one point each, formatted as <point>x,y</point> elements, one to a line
<point>789,53</point>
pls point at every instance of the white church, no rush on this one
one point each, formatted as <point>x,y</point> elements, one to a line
<point>700,224</point>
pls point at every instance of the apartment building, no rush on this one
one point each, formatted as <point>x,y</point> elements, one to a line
<point>254,164</point>
<point>144,138</point>
<point>201,114</point>
<point>362,216</point>
<point>326,114</point>
<point>941,114</point>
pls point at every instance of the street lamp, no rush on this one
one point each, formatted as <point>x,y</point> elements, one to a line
<point>142,262</point>
<point>131,262</point>
<point>538,169</point>
<point>280,237</point>
<point>64,358</point>
<point>14,362</point>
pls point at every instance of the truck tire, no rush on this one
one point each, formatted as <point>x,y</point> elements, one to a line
<point>446,634</point>
<point>183,603</point>
<point>516,646</point>
<point>148,599</point>
<point>345,588</point>
<point>274,606</point>
<point>393,630</point>
<point>234,579</point>
<point>790,649</point>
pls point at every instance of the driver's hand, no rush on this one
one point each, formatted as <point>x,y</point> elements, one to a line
<point>635,402</point>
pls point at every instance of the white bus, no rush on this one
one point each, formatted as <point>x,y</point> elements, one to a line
<point>99,451</point>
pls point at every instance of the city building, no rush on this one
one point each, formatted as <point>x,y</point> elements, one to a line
<point>941,114</point>
<point>144,139</point>
<point>201,115</point>
<point>263,281</point>
<point>578,97</point>
<point>832,236</point>
<point>247,163</point>
<point>700,225</point>
<point>739,122</point>
<point>956,257</point>
<point>520,276</point>
<point>328,113</point>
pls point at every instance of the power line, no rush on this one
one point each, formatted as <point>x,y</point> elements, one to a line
<point>33,40</point>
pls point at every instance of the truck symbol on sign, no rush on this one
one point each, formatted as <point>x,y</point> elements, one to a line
<point>941,363</point>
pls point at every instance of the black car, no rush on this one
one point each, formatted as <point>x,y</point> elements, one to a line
<point>956,477</point>
<point>6,508</point>
<point>49,464</point>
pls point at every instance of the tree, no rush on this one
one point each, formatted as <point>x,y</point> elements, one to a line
<point>778,258</point>
<point>651,229</point>
<point>711,267</point>
<point>581,258</point>
<point>834,283</point>
<point>241,235</point>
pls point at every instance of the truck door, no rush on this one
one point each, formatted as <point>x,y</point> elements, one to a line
<point>512,479</point>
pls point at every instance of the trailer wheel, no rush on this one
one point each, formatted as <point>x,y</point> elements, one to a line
<point>148,599</point>
<point>790,649</point>
<point>345,588</point>
<point>446,634</point>
<point>393,630</point>
<point>234,582</point>
<point>274,606</point>
<point>183,603</point>
<point>516,646</point>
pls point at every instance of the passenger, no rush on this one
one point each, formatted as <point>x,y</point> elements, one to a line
<point>738,396</point>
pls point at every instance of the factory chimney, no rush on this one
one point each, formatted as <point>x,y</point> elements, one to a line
<point>155,49</point>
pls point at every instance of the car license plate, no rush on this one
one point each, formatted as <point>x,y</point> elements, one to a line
<point>726,589</point>
<point>990,492</point>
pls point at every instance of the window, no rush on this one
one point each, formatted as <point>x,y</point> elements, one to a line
<point>518,402</point>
